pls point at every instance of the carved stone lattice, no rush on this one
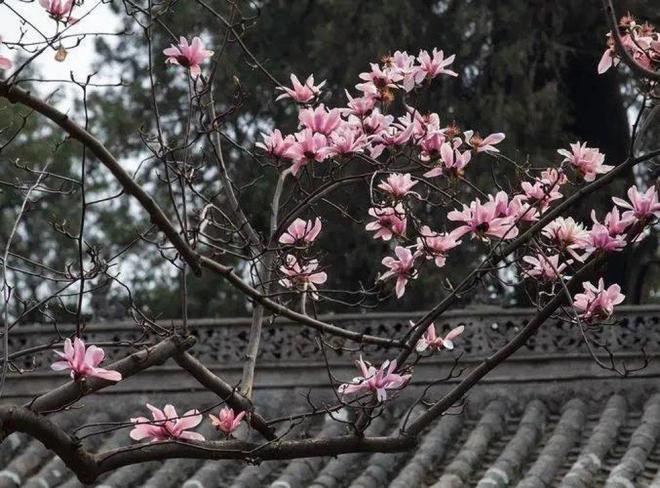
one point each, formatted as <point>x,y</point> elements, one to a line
<point>223,341</point>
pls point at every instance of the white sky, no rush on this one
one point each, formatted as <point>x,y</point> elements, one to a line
<point>79,60</point>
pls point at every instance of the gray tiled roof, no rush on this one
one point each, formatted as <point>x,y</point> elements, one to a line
<point>548,417</point>
<point>495,442</point>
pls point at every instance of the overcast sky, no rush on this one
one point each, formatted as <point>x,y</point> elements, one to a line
<point>100,19</point>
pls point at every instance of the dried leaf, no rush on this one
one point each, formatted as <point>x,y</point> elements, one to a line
<point>61,54</point>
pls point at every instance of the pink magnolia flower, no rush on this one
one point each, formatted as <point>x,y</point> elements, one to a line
<point>430,146</point>
<point>432,65</point>
<point>609,59</point>
<point>301,232</point>
<point>83,362</point>
<point>188,55</point>
<point>487,144</point>
<point>616,225</point>
<point>394,135</point>
<point>320,119</point>
<point>655,49</point>
<point>501,202</point>
<point>299,92</point>
<point>166,425</point>
<point>546,189</point>
<point>346,140</point>
<point>390,221</point>
<point>423,123</point>
<point>588,161</point>
<point>359,106</point>
<point>381,77</point>
<point>567,234</point>
<point>373,124</point>
<point>378,82</point>
<point>430,339</point>
<point>308,147</point>
<point>516,208</point>
<point>5,63</point>
<point>453,162</point>
<point>636,47</point>
<point>398,185</point>
<point>600,239</point>
<point>553,177</point>
<point>59,10</point>
<point>227,421</point>
<point>540,193</point>
<point>543,267</point>
<point>483,222</point>
<point>276,145</point>
<point>642,206</point>
<point>435,246</point>
<point>404,64</point>
<point>303,276</point>
<point>521,211</point>
<point>503,207</point>
<point>597,303</point>
<point>376,381</point>
<point>401,269</point>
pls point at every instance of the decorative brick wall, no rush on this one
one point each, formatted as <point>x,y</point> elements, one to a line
<point>290,354</point>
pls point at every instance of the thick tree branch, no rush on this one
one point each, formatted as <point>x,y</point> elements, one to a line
<point>265,269</point>
<point>488,364</point>
<point>17,95</point>
<point>254,238</point>
<point>72,391</point>
<point>158,217</point>
<point>225,391</point>
<point>88,467</point>
<point>234,449</point>
<point>20,419</point>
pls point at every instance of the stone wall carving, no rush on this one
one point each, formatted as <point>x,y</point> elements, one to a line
<point>222,341</point>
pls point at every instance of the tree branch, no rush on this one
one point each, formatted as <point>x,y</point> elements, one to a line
<point>72,391</point>
<point>20,419</point>
<point>158,218</point>
<point>88,467</point>
<point>621,50</point>
<point>15,94</point>
<point>490,261</point>
<point>488,364</point>
<point>234,449</point>
<point>225,391</point>
<point>275,307</point>
<point>265,266</point>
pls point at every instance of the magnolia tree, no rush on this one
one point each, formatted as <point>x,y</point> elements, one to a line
<point>410,160</point>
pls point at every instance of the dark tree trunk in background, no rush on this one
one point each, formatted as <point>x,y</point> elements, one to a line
<point>599,117</point>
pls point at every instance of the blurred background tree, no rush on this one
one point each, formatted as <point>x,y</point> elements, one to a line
<point>526,68</point>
